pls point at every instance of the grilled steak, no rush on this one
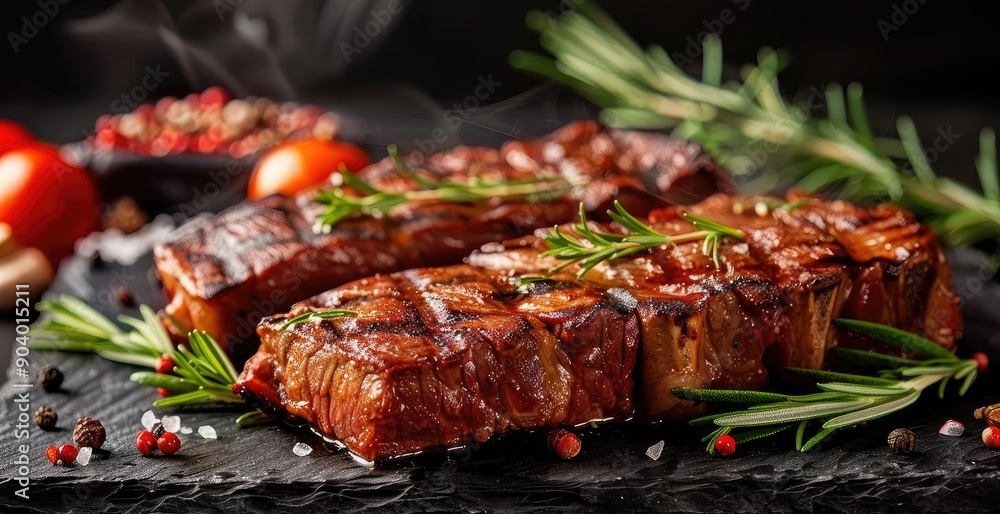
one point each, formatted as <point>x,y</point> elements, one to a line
<point>439,357</point>
<point>223,273</point>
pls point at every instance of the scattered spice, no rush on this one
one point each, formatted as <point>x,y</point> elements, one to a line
<point>302,449</point>
<point>157,429</point>
<point>565,444</point>
<point>46,418</point>
<point>52,453</point>
<point>68,453</point>
<point>50,378</point>
<point>902,440</point>
<point>125,215</point>
<point>991,437</point>
<point>123,296</point>
<point>952,428</point>
<point>164,365</point>
<point>982,361</point>
<point>725,445</point>
<point>990,413</point>
<point>168,443</point>
<point>83,458</point>
<point>145,442</point>
<point>654,452</point>
<point>207,432</point>
<point>89,432</point>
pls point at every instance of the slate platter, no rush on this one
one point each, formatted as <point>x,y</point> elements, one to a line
<point>254,469</point>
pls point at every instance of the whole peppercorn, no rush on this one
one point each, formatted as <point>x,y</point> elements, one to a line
<point>726,445</point>
<point>145,442</point>
<point>89,432</point>
<point>46,418</point>
<point>157,429</point>
<point>168,443</point>
<point>50,378</point>
<point>902,440</point>
<point>68,453</point>
<point>990,413</point>
<point>991,437</point>
<point>565,444</point>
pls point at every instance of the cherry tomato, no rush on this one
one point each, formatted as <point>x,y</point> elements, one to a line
<point>13,136</point>
<point>292,167</point>
<point>48,203</point>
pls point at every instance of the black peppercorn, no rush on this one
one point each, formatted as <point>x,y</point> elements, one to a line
<point>89,432</point>
<point>46,418</point>
<point>157,429</point>
<point>902,440</point>
<point>50,378</point>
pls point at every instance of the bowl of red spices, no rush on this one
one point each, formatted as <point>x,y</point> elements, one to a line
<point>192,154</point>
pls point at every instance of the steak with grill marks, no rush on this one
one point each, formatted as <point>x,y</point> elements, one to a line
<point>223,273</point>
<point>439,357</point>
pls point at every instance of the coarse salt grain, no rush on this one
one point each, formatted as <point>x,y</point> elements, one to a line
<point>171,423</point>
<point>654,452</point>
<point>952,428</point>
<point>148,418</point>
<point>207,432</point>
<point>83,457</point>
<point>186,430</point>
<point>302,449</point>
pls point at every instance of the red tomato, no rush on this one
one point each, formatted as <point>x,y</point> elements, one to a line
<point>292,167</point>
<point>49,204</point>
<point>12,136</point>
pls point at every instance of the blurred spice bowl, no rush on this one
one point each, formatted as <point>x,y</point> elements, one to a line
<point>192,154</point>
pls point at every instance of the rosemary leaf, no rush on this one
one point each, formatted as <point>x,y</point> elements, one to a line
<point>886,334</point>
<point>727,395</point>
<point>876,411</point>
<point>833,376</point>
<point>789,414</point>
<point>816,439</point>
<point>328,314</point>
<point>760,433</point>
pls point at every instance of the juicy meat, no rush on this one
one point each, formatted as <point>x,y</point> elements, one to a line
<point>439,357</point>
<point>224,273</point>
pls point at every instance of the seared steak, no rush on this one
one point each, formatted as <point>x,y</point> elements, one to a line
<point>223,273</point>
<point>439,357</point>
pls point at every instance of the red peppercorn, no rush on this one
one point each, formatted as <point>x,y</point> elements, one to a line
<point>565,444</point>
<point>145,442</point>
<point>164,365</point>
<point>725,444</point>
<point>168,443</point>
<point>163,392</point>
<point>68,453</point>
<point>214,97</point>
<point>982,361</point>
<point>52,453</point>
<point>991,437</point>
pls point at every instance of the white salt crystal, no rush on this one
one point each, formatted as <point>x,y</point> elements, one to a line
<point>186,430</point>
<point>952,428</point>
<point>171,423</point>
<point>83,457</point>
<point>654,452</point>
<point>207,432</point>
<point>148,418</point>
<point>302,449</point>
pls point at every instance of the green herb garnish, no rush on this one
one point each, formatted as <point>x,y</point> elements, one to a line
<point>739,121</point>
<point>590,248</point>
<point>376,202</point>
<point>844,399</point>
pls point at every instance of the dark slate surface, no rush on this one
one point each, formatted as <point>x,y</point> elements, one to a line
<point>254,470</point>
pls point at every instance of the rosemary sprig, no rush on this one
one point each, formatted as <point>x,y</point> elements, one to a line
<point>843,400</point>
<point>590,248</point>
<point>204,373</point>
<point>738,122</point>
<point>340,204</point>
<point>328,314</point>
